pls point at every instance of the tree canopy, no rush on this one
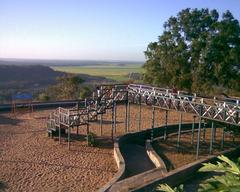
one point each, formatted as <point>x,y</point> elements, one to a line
<point>197,51</point>
<point>67,87</point>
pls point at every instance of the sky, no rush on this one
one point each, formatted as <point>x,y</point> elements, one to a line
<point>90,29</point>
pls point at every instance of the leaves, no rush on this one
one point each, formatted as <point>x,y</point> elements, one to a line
<point>167,188</point>
<point>228,181</point>
<point>196,51</point>
<point>229,167</point>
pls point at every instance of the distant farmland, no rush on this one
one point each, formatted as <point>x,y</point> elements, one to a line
<point>115,72</point>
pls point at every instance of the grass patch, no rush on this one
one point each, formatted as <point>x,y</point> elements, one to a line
<point>114,72</point>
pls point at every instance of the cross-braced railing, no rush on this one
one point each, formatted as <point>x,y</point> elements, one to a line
<point>211,109</point>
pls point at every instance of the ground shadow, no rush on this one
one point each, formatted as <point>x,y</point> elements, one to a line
<point>107,122</point>
<point>199,177</point>
<point>4,120</point>
<point>100,142</point>
<point>166,160</point>
<point>104,142</point>
<point>3,186</point>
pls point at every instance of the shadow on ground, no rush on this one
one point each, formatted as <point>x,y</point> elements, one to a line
<point>4,120</point>
<point>3,186</point>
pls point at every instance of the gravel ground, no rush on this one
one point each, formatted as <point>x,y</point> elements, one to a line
<point>30,161</point>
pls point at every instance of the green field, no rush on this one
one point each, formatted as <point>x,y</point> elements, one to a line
<point>115,72</point>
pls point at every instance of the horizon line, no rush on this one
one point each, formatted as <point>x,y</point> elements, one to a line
<point>58,59</point>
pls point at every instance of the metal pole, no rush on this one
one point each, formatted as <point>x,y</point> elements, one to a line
<point>139,114</point>
<point>128,116</point>
<point>204,131</point>
<point>214,134</point>
<point>211,140</point>
<point>69,130</point>
<point>101,118</point>
<point>112,120</point>
<point>59,134</point>
<point>59,126</point>
<point>223,136</point>
<point>179,130</point>
<point>199,136</point>
<point>233,136</point>
<point>115,117</point>
<point>88,128</point>
<point>166,123</point>
<point>193,127</point>
<point>153,120</point>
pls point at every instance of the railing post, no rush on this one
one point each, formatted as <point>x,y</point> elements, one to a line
<point>223,137</point>
<point>204,131</point>
<point>199,132</point>
<point>140,113</point>
<point>179,131</point>
<point>126,114</point>
<point>153,119</point>
<point>88,127</point>
<point>69,132</point>
<point>101,118</point>
<point>193,127</point>
<point>166,123</point>
<point>59,128</point>
<point>212,136</point>
<point>237,112</point>
<point>112,119</point>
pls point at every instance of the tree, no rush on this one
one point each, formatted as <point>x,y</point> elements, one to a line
<point>85,92</point>
<point>67,87</point>
<point>43,97</point>
<point>197,52</point>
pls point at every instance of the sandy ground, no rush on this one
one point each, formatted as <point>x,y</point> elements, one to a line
<point>31,161</point>
<point>187,153</point>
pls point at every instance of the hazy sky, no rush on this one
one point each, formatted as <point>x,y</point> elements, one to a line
<point>89,29</point>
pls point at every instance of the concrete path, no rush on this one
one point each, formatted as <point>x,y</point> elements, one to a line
<point>136,159</point>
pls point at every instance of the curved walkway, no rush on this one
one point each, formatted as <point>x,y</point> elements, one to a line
<point>136,159</point>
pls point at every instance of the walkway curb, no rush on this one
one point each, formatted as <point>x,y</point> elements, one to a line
<point>155,158</point>
<point>120,164</point>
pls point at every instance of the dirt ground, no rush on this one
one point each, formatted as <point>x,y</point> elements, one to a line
<point>187,152</point>
<point>31,161</point>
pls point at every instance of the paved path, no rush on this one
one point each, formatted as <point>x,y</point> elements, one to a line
<point>136,159</point>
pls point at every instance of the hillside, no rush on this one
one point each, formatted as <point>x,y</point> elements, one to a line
<point>27,75</point>
<point>34,78</point>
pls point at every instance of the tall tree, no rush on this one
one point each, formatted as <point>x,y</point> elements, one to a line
<point>67,87</point>
<point>197,51</point>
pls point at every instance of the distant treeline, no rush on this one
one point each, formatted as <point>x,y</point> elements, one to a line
<point>52,62</point>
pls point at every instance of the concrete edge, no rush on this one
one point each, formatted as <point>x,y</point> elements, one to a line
<point>175,177</point>
<point>120,164</point>
<point>155,158</point>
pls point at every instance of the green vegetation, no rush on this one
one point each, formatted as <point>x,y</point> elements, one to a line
<point>85,92</point>
<point>167,188</point>
<point>67,87</point>
<point>227,181</point>
<point>115,72</point>
<point>91,139</point>
<point>198,52</point>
